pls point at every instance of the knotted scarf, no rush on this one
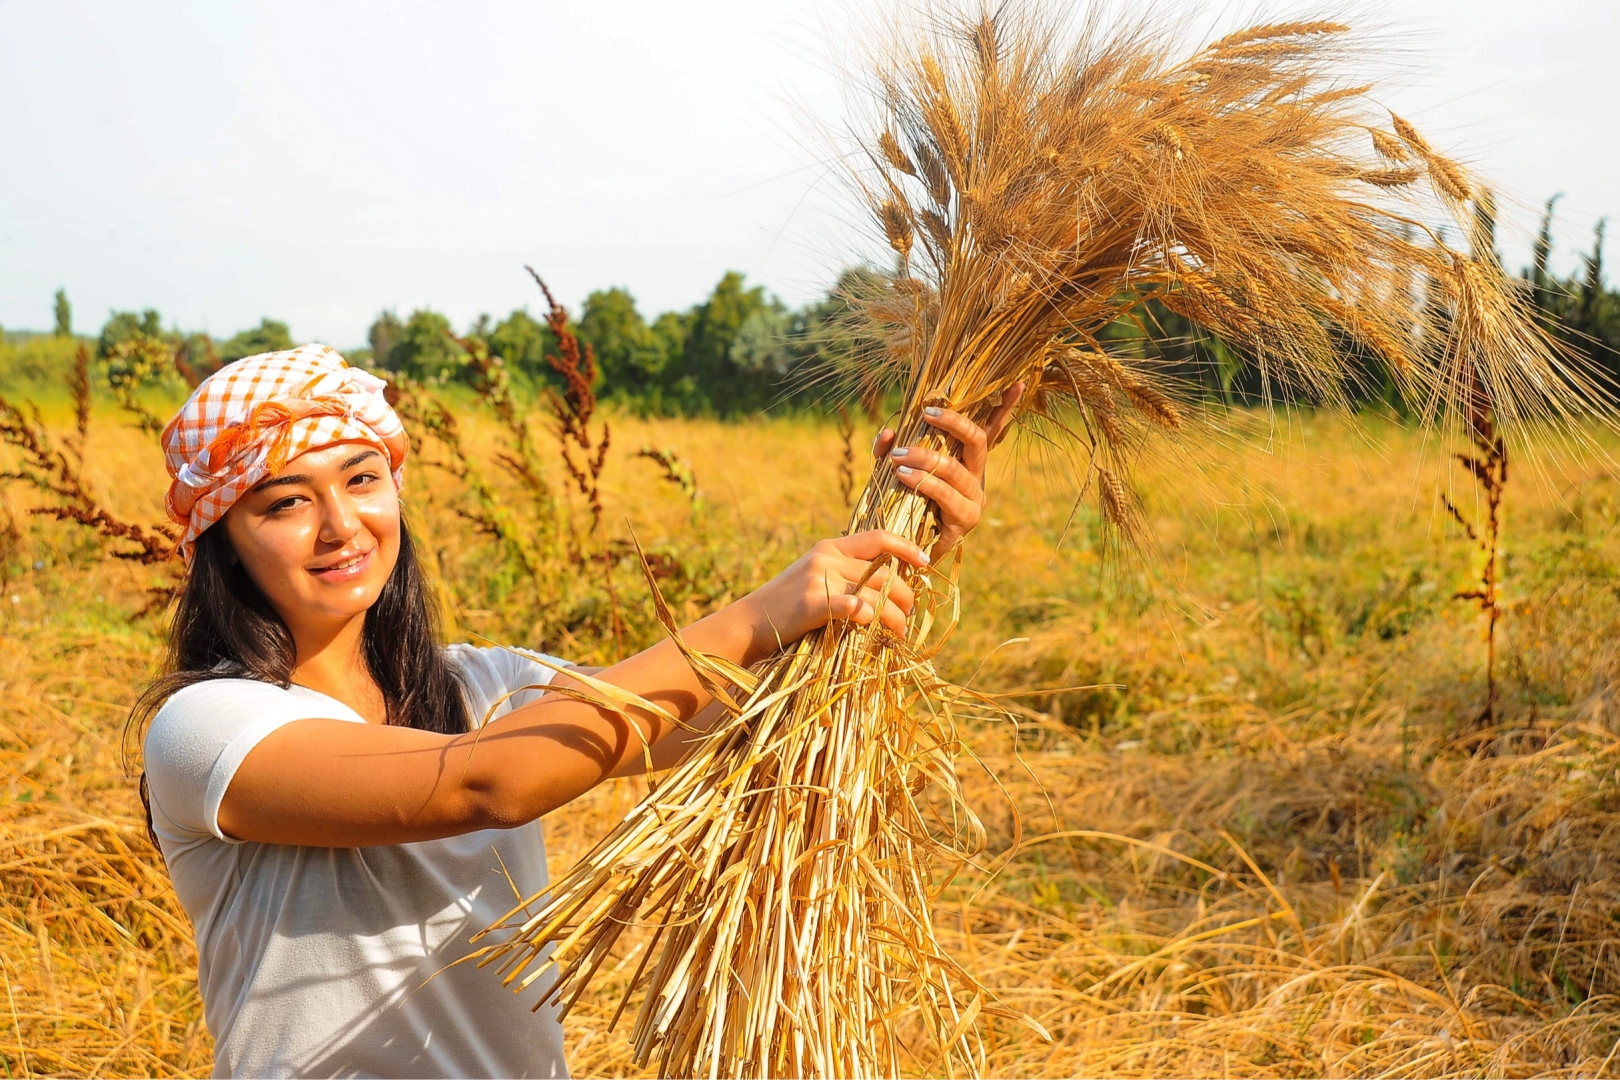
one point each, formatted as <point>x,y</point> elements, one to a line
<point>249,418</point>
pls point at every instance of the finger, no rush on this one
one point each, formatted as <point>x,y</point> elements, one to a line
<point>945,467</point>
<point>894,619</point>
<point>870,544</point>
<point>857,573</point>
<point>955,508</point>
<point>878,585</point>
<point>975,449</point>
<point>995,428</point>
<point>892,615</point>
<point>881,444</point>
<point>849,607</point>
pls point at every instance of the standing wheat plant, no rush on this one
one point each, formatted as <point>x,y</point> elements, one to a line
<point>1039,183</point>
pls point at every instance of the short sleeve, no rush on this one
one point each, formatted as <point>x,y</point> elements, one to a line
<point>499,680</point>
<point>200,737</point>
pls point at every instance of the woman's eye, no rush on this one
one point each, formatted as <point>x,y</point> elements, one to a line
<point>284,504</point>
<point>363,479</point>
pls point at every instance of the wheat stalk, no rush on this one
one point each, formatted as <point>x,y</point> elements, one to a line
<point>1038,187</point>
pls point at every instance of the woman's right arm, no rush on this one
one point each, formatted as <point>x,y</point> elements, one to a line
<point>331,783</point>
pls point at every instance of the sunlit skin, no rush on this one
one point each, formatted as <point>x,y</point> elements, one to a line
<point>320,539</point>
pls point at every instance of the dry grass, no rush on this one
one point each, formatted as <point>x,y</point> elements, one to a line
<point>1295,677</point>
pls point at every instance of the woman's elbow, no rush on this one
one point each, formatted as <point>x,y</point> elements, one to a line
<point>503,793</point>
<point>478,800</point>
<point>507,803</point>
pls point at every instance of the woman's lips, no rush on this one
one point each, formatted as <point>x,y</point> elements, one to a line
<point>346,569</point>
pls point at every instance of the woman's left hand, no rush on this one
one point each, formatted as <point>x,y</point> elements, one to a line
<point>955,485</point>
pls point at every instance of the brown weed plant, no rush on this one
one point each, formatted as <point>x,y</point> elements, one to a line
<point>60,474</point>
<point>1488,467</point>
<point>527,535</point>
<point>1037,189</point>
<point>494,387</point>
<point>846,463</point>
<point>573,409</point>
<point>191,373</point>
<point>675,470</point>
<point>425,415</point>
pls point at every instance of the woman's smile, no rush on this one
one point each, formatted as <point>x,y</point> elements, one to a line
<point>346,567</point>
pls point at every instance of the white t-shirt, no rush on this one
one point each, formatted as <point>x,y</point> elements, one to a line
<point>336,961</point>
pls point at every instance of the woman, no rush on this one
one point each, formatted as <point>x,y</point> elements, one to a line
<point>341,801</point>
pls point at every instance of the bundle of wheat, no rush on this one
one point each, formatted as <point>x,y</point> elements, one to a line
<point>1039,185</point>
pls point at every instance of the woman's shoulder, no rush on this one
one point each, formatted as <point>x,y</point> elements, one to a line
<point>224,703</point>
<point>507,659</point>
<point>501,678</point>
<point>209,693</point>
<point>201,733</point>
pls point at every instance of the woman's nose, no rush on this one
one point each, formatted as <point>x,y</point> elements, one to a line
<point>340,518</point>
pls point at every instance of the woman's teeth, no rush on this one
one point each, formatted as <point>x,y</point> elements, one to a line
<point>345,564</point>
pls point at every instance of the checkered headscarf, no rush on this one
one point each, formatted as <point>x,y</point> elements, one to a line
<point>248,419</point>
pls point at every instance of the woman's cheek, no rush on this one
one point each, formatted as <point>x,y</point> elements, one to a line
<point>381,517</point>
<point>274,554</point>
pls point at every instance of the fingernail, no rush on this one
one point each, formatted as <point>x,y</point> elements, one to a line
<point>900,451</point>
<point>933,410</point>
<point>905,470</point>
<point>923,555</point>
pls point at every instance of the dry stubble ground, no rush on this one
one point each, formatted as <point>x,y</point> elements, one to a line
<point>1271,851</point>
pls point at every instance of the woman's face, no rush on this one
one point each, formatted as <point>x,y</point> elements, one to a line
<point>321,537</point>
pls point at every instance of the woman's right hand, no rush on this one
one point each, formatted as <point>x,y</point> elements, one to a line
<point>825,584</point>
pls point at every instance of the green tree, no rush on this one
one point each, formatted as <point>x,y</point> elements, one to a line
<point>64,314</point>
<point>268,336</point>
<point>196,358</point>
<point>385,332</point>
<point>1541,282</point>
<point>711,375</point>
<point>1595,318</point>
<point>1580,308</point>
<point>674,391</point>
<point>123,326</point>
<point>521,341</point>
<point>832,350</point>
<point>424,349</point>
<point>629,354</point>
<point>1589,311</point>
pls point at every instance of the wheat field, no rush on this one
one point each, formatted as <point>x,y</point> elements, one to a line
<point>1256,832</point>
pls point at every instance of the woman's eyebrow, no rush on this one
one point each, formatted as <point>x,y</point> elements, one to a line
<point>283,481</point>
<point>305,478</point>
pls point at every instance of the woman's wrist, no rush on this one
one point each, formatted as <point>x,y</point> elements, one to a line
<point>741,632</point>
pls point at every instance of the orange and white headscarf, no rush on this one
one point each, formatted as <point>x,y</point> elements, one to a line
<point>249,418</point>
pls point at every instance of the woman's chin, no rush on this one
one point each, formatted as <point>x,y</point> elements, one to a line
<point>343,600</point>
<point>347,592</point>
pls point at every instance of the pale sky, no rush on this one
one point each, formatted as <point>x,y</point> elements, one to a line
<point>319,162</point>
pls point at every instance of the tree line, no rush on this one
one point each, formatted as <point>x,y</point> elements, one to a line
<point>742,350</point>
<point>738,351</point>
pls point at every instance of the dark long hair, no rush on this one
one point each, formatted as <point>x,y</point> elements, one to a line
<point>224,628</point>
